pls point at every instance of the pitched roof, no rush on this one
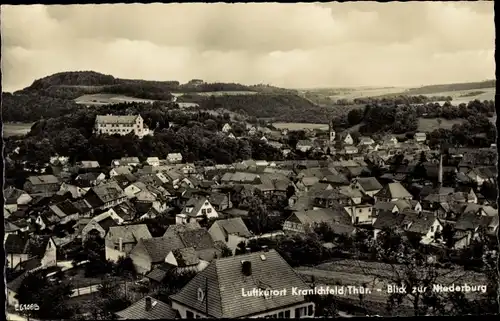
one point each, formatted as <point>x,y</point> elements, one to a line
<point>112,119</point>
<point>15,284</point>
<point>43,179</point>
<point>15,244</point>
<point>193,206</point>
<point>420,223</point>
<point>197,238</point>
<point>327,215</point>
<point>159,247</point>
<point>107,223</point>
<point>369,183</point>
<point>384,206</point>
<point>224,280</point>
<point>234,226</point>
<point>386,219</point>
<point>393,190</point>
<point>128,233</point>
<point>470,221</point>
<point>137,311</point>
<point>108,192</point>
<point>11,195</point>
<point>186,256</point>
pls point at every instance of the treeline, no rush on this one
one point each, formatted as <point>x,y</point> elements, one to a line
<point>451,87</point>
<point>448,111</point>
<point>31,107</point>
<point>195,136</point>
<point>279,107</point>
<point>400,99</point>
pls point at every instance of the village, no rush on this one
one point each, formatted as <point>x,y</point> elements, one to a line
<point>162,215</point>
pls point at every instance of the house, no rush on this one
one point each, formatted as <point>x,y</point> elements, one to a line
<point>220,201</point>
<point>147,308</point>
<point>422,224</point>
<point>89,179</point>
<point>420,137</point>
<point>19,249</point>
<point>304,145</point>
<point>350,150</point>
<point>153,161</point>
<point>121,125</point>
<point>481,175</point>
<point>76,191</point>
<point>366,141</point>
<point>361,214</point>
<point>348,140</point>
<point>152,252</point>
<point>231,135</point>
<point>126,161</point>
<point>185,260</point>
<point>66,211</point>
<point>133,189</point>
<point>15,198</point>
<point>226,128</point>
<point>48,184</point>
<point>227,285</point>
<point>354,194</point>
<point>251,130</point>
<point>87,164</point>
<point>120,240</point>
<point>368,185</point>
<point>302,221</point>
<point>99,225</point>
<point>392,192</point>
<point>231,231</point>
<point>174,158</point>
<point>196,208</point>
<point>104,196</point>
<point>120,170</point>
<point>387,220</point>
<point>13,288</point>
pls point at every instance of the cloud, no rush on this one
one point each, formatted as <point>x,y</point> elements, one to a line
<point>293,45</point>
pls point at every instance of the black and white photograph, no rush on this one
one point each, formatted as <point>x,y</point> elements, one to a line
<point>249,160</point>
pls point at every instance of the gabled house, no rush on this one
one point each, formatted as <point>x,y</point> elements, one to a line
<point>220,201</point>
<point>152,252</point>
<point>392,192</point>
<point>48,184</point>
<point>366,141</point>
<point>381,206</point>
<point>76,191</point>
<point>120,170</point>
<point>196,208</point>
<point>20,248</point>
<point>66,211</point>
<point>303,221</point>
<point>361,214</point>
<point>226,128</point>
<point>368,185</point>
<point>347,139</point>
<point>104,196</point>
<point>15,198</point>
<point>100,225</point>
<point>87,164</point>
<point>212,293</point>
<point>424,224</point>
<point>480,175</point>
<point>420,137</point>
<point>89,179</point>
<point>185,260</point>
<point>120,240</point>
<point>387,220</point>
<point>153,161</point>
<point>304,145</point>
<point>126,161</point>
<point>231,231</point>
<point>174,158</point>
<point>148,308</point>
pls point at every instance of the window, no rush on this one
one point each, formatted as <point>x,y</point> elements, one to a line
<point>287,314</point>
<point>197,316</point>
<point>297,312</point>
<point>281,315</point>
<point>370,209</point>
<point>209,210</point>
<point>310,310</point>
<point>201,294</point>
<point>203,211</point>
<point>360,210</point>
<point>189,315</point>
<point>432,229</point>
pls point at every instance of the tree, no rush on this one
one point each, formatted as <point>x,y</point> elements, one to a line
<point>109,300</point>
<point>125,267</point>
<point>226,252</point>
<point>355,116</point>
<point>51,298</point>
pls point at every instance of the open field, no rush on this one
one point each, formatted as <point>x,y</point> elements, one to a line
<point>107,99</point>
<point>430,124</point>
<point>217,93</point>
<point>300,126</point>
<point>13,129</point>
<point>464,96</point>
<point>367,92</point>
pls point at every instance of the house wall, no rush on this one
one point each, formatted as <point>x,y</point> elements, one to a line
<point>11,298</point>
<point>10,207</point>
<point>208,207</point>
<point>50,256</point>
<point>68,218</point>
<point>113,254</point>
<point>216,232</point>
<point>418,207</point>
<point>91,226</point>
<point>131,190</point>
<point>233,241</point>
<point>290,226</point>
<point>170,259</point>
<point>369,193</point>
<point>360,215</point>
<point>280,313</point>
<point>436,226</point>
<point>24,199</point>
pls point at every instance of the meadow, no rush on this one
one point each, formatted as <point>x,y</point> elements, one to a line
<point>14,129</point>
<point>106,99</point>
<point>300,126</point>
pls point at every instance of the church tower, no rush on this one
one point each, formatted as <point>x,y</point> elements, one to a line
<point>331,131</point>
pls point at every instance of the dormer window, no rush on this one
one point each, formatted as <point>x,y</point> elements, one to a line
<point>200,294</point>
<point>189,209</point>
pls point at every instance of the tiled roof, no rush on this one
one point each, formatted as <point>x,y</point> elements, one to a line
<point>470,221</point>
<point>137,311</point>
<point>195,205</point>
<point>369,183</point>
<point>11,195</point>
<point>234,226</point>
<point>197,238</point>
<point>386,219</point>
<point>159,247</point>
<point>108,192</point>
<point>186,256</point>
<point>393,190</point>
<point>157,275</point>
<point>327,215</point>
<point>128,233</point>
<point>43,179</point>
<point>384,206</point>
<point>112,119</point>
<point>223,280</point>
<point>15,284</point>
<point>420,223</point>
<point>15,244</point>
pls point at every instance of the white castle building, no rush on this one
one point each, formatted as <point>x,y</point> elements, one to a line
<point>121,125</point>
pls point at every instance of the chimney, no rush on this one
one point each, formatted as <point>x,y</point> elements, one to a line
<point>120,244</point>
<point>246,268</point>
<point>265,248</point>
<point>148,303</point>
<point>440,175</point>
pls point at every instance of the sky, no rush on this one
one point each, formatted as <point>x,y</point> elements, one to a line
<point>300,45</point>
